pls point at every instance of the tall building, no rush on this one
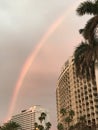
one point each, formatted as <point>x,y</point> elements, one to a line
<point>77,94</point>
<point>28,117</point>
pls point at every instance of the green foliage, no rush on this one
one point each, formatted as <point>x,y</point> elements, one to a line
<point>71,127</point>
<point>85,57</point>
<point>82,119</point>
<point>48,125</point>
<point>43,115</point>
<point>88,7</point>
<point>10,126</point>
<point>41,119</point>
<point>60,126</point>
<point>63,111</point>
<point>40,127</point>
<point>68,118</point>
<point>71,114</point>
<point>88,31</point>
<point>35,125</point>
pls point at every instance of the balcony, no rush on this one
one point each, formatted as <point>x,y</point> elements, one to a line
<point>87,103</point>
<point>96,106</point>
<point>94,82</point>
<point>86,98</point>
<point>89,90</point>
<point>85,86</point>
<point>90,95</point>
<point>92,108</point>
<point>96,99</point>
<point>88,115</point>
<point>93,114</point>
<point>95,94</point>
<point>95,88</point>
<point>91,101</point>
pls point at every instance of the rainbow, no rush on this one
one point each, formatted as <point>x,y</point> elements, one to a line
<point>33,55</point>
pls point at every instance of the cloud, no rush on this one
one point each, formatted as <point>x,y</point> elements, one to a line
<point>22,24</point>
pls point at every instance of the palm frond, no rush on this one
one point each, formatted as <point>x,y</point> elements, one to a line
<point>88,31</point>
<point>96,8</point>
<point>80,50</point>
<point>92,68</point>
<point>86,7</point>
<point>96,50</point>
<point>84,56</point>
<point>79,58</point>
<point>81,31</point>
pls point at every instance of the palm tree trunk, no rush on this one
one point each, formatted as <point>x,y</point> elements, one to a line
<point>96,74</point>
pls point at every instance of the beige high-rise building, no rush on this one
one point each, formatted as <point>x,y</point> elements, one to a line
<point>77,94</point>
<point>27,118</point>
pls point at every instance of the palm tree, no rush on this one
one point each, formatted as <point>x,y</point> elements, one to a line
<point>71,127</point>
<point>63,111</point>
<point>48,125</point>
<point>60,126</point>
<point>77,126</point>
<point>68,120</point>
<point>68,117</point>
<point>86,54</point>
<point>44,125</point>
<point>85,58</point>
<point>40,127</point>
<point>11,126</point>
<point>40,119</point>
<point>93,125</point>
<point>82,121</point>
<point>89,7</point>
<point>43,115</point>
<point>71,114</point>
<point>35,125</point>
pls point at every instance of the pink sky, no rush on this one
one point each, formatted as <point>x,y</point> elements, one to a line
<point>39,85</point>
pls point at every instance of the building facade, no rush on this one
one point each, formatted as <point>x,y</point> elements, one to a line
<point>76,93</point>
<point>27,118</point>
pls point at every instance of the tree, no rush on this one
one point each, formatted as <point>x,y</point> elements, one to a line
<point>35,125</point>
<point>48,125</point>
<point>68,118</point>
<point>86,54</point>
<point>71,114</point>
<point>10,126</point>
<point>89,7</point>
<point>82,119</point>
<point>63,111</point>
<point>71,127</point>
<point>42,117</point>
<point>60,126</point>
<point>85,58</point>
<point>81,124</point>
<point>40,127</point>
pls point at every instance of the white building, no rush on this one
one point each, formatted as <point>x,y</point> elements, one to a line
<point>28,117</point>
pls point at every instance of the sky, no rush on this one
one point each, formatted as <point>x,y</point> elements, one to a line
<point>23,23</point>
